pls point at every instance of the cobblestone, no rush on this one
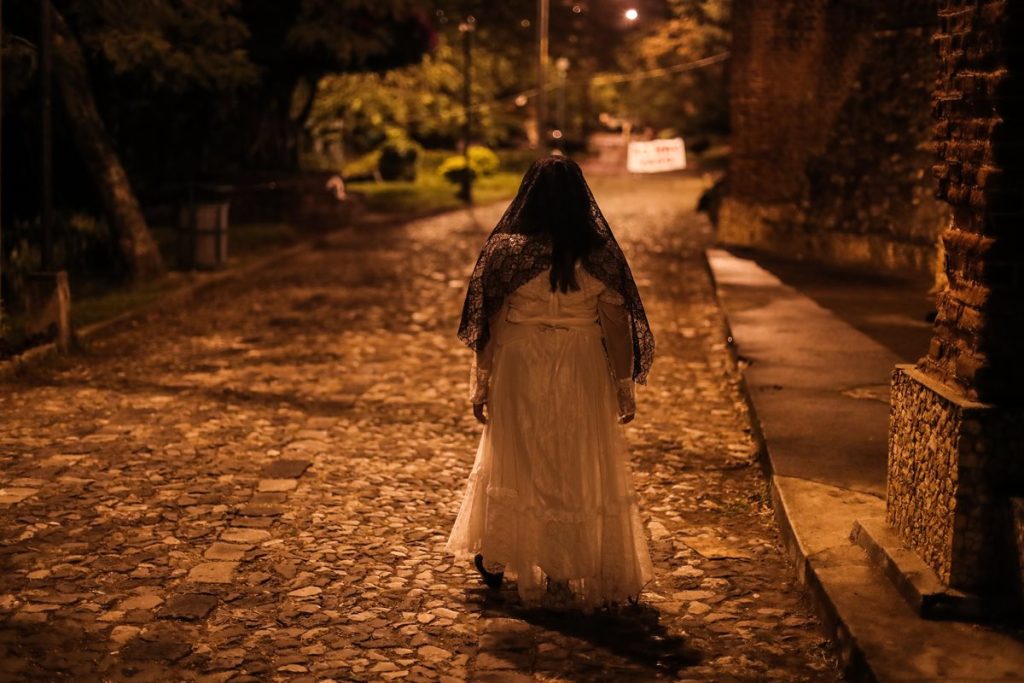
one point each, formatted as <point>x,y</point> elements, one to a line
<point>259,487</point>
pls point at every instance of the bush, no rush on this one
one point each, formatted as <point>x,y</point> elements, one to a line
<point>398,156</point>
<point>454,169</point>
<point>364,167</point>
<point>482,162</point>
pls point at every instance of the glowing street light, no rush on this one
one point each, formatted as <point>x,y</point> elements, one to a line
<point>631,14</point>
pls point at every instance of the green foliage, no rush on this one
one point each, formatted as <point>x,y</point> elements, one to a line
<point>482,162</point>
<point>206,87</point>
<point>454,170</point>
<point>430,192</point>
<point>180,44</point>
<point>363,167</point>
<point>690,102</point>
<point>398,155</point>
<point>166,46</point>
<point>338,35</point>
<point>425,100</point>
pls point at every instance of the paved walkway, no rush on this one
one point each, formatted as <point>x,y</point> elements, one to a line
<point>819,350</point>
<point>259,488</point>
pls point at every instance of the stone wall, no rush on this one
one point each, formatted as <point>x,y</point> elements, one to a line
<point>956,442</point>
<point>978,110</point>
<point>831,147</point>
<point>952,471</point>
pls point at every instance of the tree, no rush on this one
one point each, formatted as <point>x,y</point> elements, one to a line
<point>425,100</point>
<point>161,92</point>
<point>135,243</point>
<point>681,103</point>
<point>295,44</point>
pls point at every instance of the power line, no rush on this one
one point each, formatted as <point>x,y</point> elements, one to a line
<point>596,80</point>
<point>663,71</point>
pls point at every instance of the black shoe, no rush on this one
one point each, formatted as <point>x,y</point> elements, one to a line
<point>492,579</point>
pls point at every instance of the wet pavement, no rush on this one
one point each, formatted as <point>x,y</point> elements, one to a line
<point>258,487</point>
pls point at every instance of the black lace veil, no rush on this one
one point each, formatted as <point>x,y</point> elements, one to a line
<point>514,254</point>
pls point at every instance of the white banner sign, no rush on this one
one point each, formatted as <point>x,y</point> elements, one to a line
<point>656,156</point>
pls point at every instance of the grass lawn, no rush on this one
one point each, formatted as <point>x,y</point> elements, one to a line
<point>96,301</point>
<point>430,193</point>
<point>87,309</point>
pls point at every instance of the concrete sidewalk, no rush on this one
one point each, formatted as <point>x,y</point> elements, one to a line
<point>818,349</point>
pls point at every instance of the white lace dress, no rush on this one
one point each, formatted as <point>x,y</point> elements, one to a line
<point>550,494</point>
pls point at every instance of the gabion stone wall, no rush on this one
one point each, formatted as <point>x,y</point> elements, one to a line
<point>951,465</point>
<point>830,105</point>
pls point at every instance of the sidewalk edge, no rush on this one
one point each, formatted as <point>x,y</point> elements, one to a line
<point>853,660</point>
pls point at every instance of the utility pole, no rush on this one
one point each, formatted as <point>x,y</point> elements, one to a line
<point>562,64</point>
<point>542,68</point>
<point>1,171</point>
<point>466,28</point>
<point>47,292</point>
<point>46,132</point>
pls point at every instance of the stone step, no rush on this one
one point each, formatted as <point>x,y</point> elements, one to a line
<point>919,585</point>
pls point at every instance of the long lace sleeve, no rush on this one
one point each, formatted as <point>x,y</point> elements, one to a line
<point>480,368</point>
<point>480,376</point>
<point>618,341</point>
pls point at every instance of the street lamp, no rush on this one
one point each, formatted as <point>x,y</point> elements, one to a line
<point>466,29</point>
<point>46,132</point>
<point>543,7</point>
<point>562,64</point>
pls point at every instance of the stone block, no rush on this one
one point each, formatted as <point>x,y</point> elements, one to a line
<point>15,494</point>
<point>276,485</point>
<point>48,306</point>
<point>234,535</point>
<point>213,572</point>
<point>190,606</point>
<point>230,552</point>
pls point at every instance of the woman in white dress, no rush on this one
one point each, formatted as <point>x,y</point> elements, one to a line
<point>560,335</point>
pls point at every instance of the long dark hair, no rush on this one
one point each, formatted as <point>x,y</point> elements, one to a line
<point>557,205</point>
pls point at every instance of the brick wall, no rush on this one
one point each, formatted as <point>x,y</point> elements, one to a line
<point>979,335</point>
<point>830,107</point>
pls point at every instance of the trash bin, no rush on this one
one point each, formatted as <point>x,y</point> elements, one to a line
<point>203,228</point>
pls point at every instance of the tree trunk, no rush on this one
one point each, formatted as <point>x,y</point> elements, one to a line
<point>273,144</point>
<point>135,243</point>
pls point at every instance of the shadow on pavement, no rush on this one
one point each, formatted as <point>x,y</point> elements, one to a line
<point>629,641</point>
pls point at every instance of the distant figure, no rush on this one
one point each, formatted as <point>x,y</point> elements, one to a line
<point>337,187</point>
<point>560,336</point>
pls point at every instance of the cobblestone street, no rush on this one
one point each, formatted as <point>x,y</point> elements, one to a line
<point>259,487</point>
